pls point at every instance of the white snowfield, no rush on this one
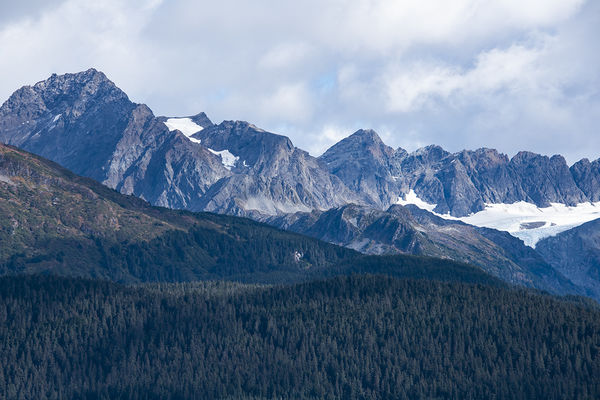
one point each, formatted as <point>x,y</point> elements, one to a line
<point>185,125</point>
<point>412,198</point>
<point>227,158</point>
<point>189,127</point>
<point>526,221</point>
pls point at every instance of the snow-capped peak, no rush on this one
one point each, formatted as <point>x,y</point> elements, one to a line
<point>185,126</point>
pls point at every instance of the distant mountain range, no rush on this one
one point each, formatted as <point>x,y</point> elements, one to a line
<point>351,195</point>
<point>87,124</point>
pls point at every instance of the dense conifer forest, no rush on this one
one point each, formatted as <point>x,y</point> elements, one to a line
<point>350,337</point>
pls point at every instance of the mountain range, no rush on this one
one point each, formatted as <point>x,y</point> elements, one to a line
<point>57,223</point>
<point>357,194</point>
<point>87,124</point>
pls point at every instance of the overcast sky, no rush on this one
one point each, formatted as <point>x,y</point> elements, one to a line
<point>508,74</point>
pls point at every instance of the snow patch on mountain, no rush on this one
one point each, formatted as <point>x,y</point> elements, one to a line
<point>227,158</point>
<point>412,198</point>
<point>531,223</point>
<point>185,126</point>
<point>523,220</point>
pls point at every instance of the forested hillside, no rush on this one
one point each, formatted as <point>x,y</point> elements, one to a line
<point>54,221</point>
<point>358,337</point>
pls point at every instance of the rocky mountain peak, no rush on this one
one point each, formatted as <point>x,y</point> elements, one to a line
<point>367,136</point>
<point>202,120</point>
<point>92,84</point>
<point>255,147</point>
<point>526,156</point>
<point>482,155</point>
<point>557,159</point>
<point>90,75</point>
<point>546,179</point>
<point>362,143</point>
<point>430,153</point>
<point>66,96</point>
<point>364,163</point>
<point>586,174</point>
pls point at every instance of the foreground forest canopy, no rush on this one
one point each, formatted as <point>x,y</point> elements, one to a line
<point>348,337</point>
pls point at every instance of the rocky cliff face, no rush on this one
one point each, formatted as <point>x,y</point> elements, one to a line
<point>366,165</point>
<point>75,119</point>
<point>458,183</point>
<point>576,254</point>
<point>85,123</point>
<point>546,180</point>
<point>587,177</point>
<point>270,175</point>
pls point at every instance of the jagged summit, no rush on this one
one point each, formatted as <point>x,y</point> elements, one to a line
<point>364,163</point>
<point>255,146</point>
<point>362,143</point>
<point>362,139</point>
<point>430,153</point>
<point>365,136</point>
<point>86,123</point>
<point>83,76</point>
<point>202,120</point>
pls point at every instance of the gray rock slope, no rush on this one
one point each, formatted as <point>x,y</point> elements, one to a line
<point>271,176</point>
<point>576,254</point>
<point>85,123</point>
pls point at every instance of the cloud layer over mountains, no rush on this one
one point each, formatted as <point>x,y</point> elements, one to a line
<point>504,74</point>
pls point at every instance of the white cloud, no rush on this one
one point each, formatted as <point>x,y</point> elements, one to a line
<point>284,55</point>
<point>290,102</point>
<point>464,73</point>
<point>74,36</point>
<point>516,69</point>
<point>383,25</point>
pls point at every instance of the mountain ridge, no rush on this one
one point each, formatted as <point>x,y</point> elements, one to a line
<point>60,118</point>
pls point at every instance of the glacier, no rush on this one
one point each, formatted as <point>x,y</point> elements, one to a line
<point>523,220</point>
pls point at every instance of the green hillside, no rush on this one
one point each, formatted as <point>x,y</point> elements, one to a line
<point>52,221</point>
